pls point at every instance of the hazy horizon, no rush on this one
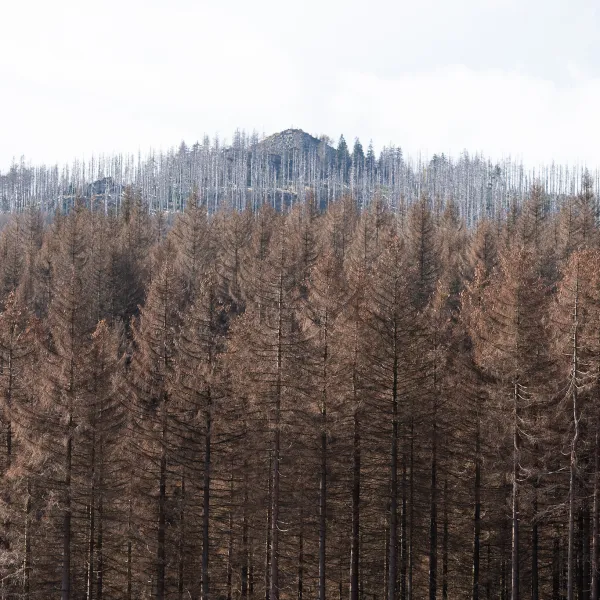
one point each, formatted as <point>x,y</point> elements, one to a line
<point>499,79</point>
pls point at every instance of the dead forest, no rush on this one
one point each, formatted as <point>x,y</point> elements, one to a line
<point>311,403</point>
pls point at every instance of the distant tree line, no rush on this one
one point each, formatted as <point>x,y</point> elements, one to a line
<point>282,170</point>
<point>263,405</point>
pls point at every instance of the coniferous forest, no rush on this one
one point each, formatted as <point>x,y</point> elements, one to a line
<point>283,169</point>
<point>342,402</point>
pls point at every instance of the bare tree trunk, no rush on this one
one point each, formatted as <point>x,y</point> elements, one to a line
<point>573,459</point>
<point>268,537</point>
<point>91,549</point>
<point>580,553</point>
<point>274,595</point>
<point>411,509</point>
<point>572,508</point>
<point>206,502</point>
<point>162,497</point>
<point>386,554</point>
<point>477,516</point>
<point>245,550</point>
<point>100,549</point>
<point>515,498</point>
<point>301,558</point>
<point>323,508</point>
<point>488,578</point>
<point>355,541</point>
<point>585,556</point>
<point>433,517</point>
<point>27,551</point>
<point>534,549</point>
<point>129,547</point>
<point>556,567</point>
<point>66,565</point>
<point>230,538</point>
<point>274,554</point>
<point>92,525</point>
<point>251,574</point>
<point>393,534</point>
<point>445,542</point>
<point>503,576</point>
<point>181,549</point>
<point>404,534</point>
<point>595,516</point>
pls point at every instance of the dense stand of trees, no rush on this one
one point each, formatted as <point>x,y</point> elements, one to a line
<point>369,403</point>
<point>283,169</point>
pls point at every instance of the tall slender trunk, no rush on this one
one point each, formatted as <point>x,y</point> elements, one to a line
<point>571,563</point>
<point>100,549</point>
<point>386,554</point>
<point>274,553</point>
<point>66,564</point>
<point>488,578</point>
<point>27,550</point>
<point>393,534</point>
<point>535,525</point>
<point>355,541</point>
<point>301,557</point>
<point>556,567</point>
<point>534,548</point>
<point>162,501</point>
<point>268,528</point>
<point>251,573</point>
<point>580,552</point>
<point>323,482</point>
<point>445,542</point>
<point>245,550</point>
<point>9,436</point>
<point>230,538</point>
<point>274,594</point>
<point>477,515</point>
<point>585,555</point>
<point>8,399</point>
<point>181,541</point>
<point>573,458</point>
<point>515,498</point>
<point>564,569</point>
<point>403,532</point>
<point>356,466</point>
<point>361,578</point>
<point>129,544</point>
<point>595,517</point>
<point>411,507</point>
<point>89,593</point>
<point>433,513</point>
<point>206,500</point>
<point>323,507</point>
<point>503,577</point>
<point>92,524</point>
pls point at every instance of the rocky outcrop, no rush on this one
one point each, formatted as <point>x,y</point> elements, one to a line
<point>290,140</point>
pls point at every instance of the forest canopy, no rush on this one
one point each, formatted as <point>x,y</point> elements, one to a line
<point>358,400</point>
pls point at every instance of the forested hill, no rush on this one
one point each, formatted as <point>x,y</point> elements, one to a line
<point>283,169</point>
<point>310,404</point>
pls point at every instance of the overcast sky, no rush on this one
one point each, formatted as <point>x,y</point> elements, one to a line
<point>519,77</point>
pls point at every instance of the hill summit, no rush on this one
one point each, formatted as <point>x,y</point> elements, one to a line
<point>289,140</point>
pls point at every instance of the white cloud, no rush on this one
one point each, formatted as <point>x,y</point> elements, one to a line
<point>502,76</point>
<point>456,108</point>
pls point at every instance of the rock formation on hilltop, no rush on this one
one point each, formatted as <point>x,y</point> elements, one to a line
<point>290,140</point>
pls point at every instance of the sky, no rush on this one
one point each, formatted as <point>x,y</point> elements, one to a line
<point>501,77</point>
